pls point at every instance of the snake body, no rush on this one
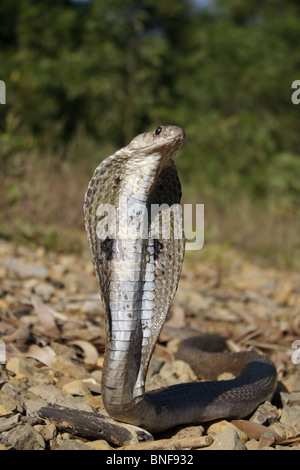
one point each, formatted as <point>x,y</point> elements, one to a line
<point>138,267</point>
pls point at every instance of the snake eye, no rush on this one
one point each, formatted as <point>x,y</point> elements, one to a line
<point>158,130</point>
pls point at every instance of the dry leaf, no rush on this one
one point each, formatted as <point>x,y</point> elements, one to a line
<point>45,317</point>
<point>45,355</point>
<point>254,430</point>
<point>90,352</point>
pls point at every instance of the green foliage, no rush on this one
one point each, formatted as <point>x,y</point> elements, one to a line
<point>84,77</point>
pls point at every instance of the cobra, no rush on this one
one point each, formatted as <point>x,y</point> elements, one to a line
<point>138,275</point>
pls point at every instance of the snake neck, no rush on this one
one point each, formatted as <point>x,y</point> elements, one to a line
<point>131,295</point>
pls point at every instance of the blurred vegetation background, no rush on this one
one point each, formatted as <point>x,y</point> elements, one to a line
<point>84,77</point>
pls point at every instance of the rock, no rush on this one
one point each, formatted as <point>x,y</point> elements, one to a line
<point>93,307</point>
<point>6,423</point>
<point>279,429</point>
<point>4,411</point>
<point>291,382</point>
<point>192,301</point>
<point>100,444</point>
<point>252,444</point>
<point>68,368</point>
<point>52,394</point>
<point>48,431</point>
<point>32,406</point>
<point>20,366</point>
<point>290,418</point>
<point>170,374</point>
<point>74,444</point>
<point>77,388</point>
<point>265,414</point>
<point>227,440</point>
<point>290,399</point>
<point>224,426</point>
<point>45,291</point>
<point>188,432</point>
<point>24,270</point>
<point>8,404</point>
<point>23,437</point>
<point>221,314</point>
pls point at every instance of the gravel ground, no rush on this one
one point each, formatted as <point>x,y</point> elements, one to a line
<point>52,344</point>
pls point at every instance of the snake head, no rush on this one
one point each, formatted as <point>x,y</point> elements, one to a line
<point>164,140</point>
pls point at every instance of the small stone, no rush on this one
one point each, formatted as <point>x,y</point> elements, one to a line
<point>290,417</point>
<point>97,375</point>
<point>4,411</point>
<point>9,404</point>
<point>67,367</point>
<point>224,426</point>
<point>32,406</point>
<point>288,399</point>
<point>20,367</point>
<point>74,444</point>
<point>96,402</point>
<point>24,270</point>
<point>291,382</point>
<point>265,414</point>
<point>252,444</point>
<point>48,431</point>
<point>92,307</point>
<point>189,432</point>
<point>279,429</point>
<point>171,374</point>
<point>100,444</point>
<point>23,437</point>
<point>45,291</point>
<point>76,387</point>
<point>227,440</point>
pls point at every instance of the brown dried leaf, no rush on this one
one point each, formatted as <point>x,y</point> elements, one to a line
<point>45,355</point>
<point>254,430</point>
<point>45,317</point>
<point>90,352</point>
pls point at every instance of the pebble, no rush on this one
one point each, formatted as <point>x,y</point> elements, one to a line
<point>100,444</point>
<point>52,394</point>
<point>25,270</point>
<point>77,388</point>
<point>265,414</point>
<point>47,431</point>
<point>44,290</point>
<point>23,438</point>
<point>227,440</point>
<point>225,426</point>
<point>292,398</point>
<point>74,444</point>
<point>290,418</point>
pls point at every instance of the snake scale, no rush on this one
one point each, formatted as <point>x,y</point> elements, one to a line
<point>138,267</point>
